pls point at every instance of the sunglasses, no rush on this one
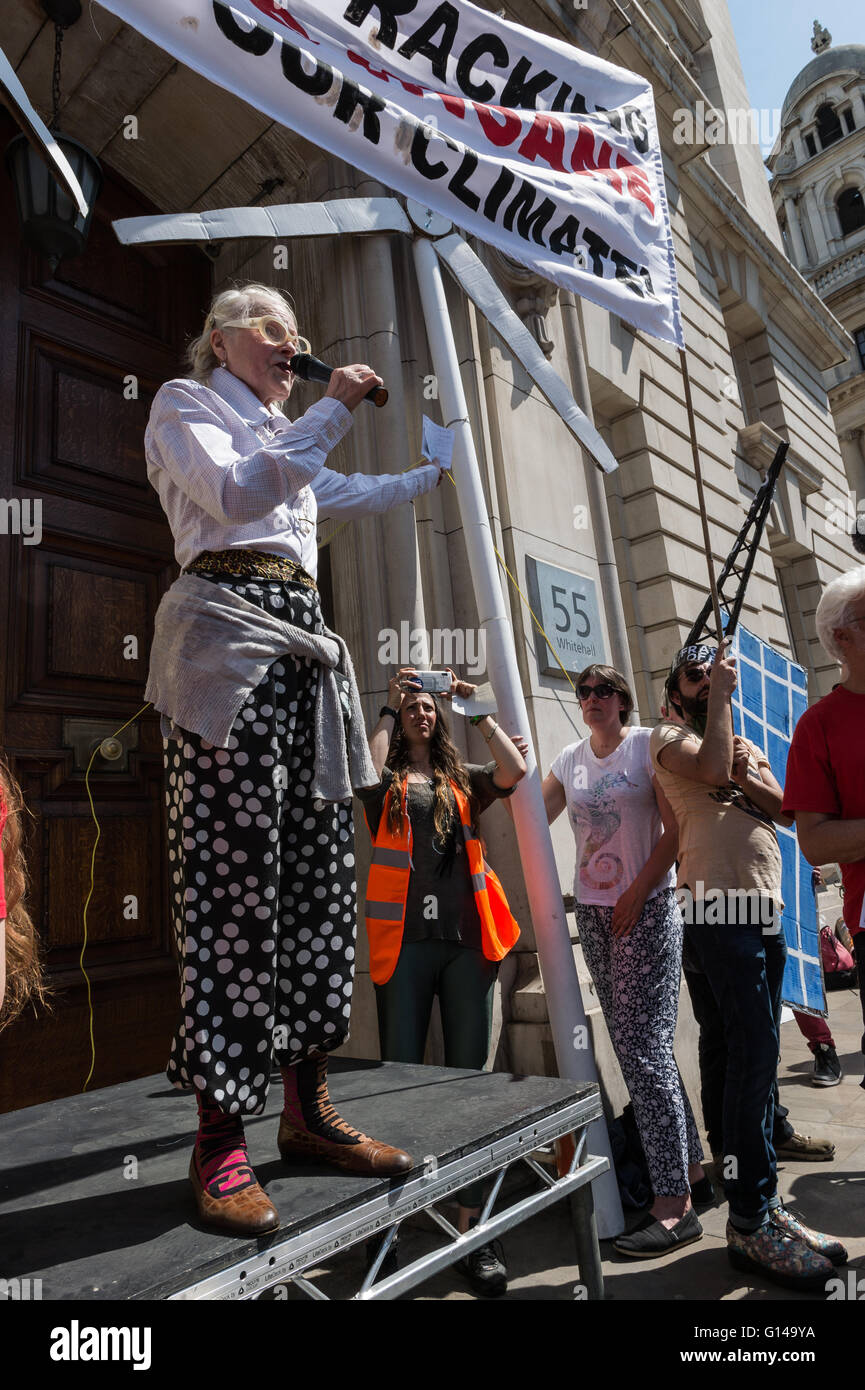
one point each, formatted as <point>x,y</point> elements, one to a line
<point>695,673</point>
<point>272,329</point>
<point>603,691</point>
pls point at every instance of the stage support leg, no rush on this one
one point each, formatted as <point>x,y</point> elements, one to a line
<point>586,1239</point>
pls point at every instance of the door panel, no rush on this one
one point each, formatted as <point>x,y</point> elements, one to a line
<point>83,348</point>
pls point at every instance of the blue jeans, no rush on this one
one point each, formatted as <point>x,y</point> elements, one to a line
<point>745,969</point>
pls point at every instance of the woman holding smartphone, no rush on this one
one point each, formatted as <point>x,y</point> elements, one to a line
<point>437,919</point>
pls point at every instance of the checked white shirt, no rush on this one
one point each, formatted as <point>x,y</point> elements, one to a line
<point>232,473</point>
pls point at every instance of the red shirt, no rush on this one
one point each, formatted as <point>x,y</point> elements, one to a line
<point>826,773</point>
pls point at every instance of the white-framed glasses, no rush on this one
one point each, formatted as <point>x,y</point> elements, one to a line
<point>273,330</point>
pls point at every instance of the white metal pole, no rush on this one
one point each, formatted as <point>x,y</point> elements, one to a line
<point>561,984</point>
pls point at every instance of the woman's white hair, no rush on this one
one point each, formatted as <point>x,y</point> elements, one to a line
<point>834,607</point>
<point>240,302</point>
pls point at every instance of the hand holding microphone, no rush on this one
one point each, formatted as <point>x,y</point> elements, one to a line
<point>350,385</point>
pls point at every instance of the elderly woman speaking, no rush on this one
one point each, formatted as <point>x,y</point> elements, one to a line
<point>264,742</point>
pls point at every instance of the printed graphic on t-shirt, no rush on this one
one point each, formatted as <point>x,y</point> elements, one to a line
<point>733,795</point>
<point>600,818</point>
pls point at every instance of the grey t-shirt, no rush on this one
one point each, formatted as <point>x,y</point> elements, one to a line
<point>440,904</point>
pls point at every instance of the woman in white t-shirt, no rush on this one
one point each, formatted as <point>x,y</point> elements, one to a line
<point>631,934</point>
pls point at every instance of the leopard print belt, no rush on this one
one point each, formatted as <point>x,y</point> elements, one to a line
<point>256,563</point>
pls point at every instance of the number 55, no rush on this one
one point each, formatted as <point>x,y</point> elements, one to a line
<point>565,626</point>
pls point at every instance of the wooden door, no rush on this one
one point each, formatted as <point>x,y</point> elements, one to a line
<point>82,351</point>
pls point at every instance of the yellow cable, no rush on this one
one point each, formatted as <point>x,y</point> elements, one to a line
<point>535,619</point>
<point>92,886</point>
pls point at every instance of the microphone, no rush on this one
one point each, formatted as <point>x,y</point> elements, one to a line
<point>309,368</point>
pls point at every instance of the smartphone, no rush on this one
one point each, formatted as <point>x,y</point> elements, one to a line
<point>434,682</point>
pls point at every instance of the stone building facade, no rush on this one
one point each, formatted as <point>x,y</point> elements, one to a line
<point>760,342</point>
<point>818,190</point>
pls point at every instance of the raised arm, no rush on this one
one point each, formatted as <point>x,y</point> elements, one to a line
<point>379,739</point>
<point>710,760</point>
<point>189,441</point>
<point>509,761</point>
<point>759,785</point>
<point>346,496</point>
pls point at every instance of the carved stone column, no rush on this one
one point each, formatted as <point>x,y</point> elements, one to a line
<point>800,254</point>
<point>815,221</point>
<point>853,453</point>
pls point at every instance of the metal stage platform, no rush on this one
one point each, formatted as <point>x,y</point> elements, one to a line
<point>95,1201</point>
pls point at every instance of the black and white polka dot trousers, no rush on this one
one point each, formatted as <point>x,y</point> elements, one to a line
<point>637,978</point>
<point>262,884</point>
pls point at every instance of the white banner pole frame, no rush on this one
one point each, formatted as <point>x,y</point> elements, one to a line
<point>561,983</point>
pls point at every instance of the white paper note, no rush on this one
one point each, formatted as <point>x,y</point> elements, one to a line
<point>482,702</point>
<point>438,443</point>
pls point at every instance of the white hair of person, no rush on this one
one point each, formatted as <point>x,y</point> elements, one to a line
<point>240,302</point>
<point>834,607</point>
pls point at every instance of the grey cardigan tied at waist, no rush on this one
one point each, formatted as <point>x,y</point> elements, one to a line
<point>211,648</point>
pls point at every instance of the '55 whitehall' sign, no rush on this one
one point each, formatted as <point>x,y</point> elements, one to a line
<point>567,605</point>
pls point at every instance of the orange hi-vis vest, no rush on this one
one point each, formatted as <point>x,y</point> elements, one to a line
<point>387,891</point>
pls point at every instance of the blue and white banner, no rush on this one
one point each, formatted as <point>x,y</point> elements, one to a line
<point>771,696</point>
<point>537,148</point>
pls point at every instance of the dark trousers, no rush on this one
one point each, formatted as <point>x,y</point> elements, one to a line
<point>713,1063</point>
<point>464,981</point>
<point>743,967</point>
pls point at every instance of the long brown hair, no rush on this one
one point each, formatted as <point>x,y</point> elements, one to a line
<point>23,967</point>
<point>447,766</point>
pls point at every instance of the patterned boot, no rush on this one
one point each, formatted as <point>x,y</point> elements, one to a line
<point>227,1194</point>
<point>310,1128</point>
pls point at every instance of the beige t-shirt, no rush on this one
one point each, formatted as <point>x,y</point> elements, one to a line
<point>725,840</point>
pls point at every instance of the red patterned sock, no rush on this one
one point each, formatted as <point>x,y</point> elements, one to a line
<point>221,1159</point>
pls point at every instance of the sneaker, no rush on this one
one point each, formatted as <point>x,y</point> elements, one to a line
<point>831,1249</point>
<point>485,1270</point>
<point>801,1148</point>
<point>771,1252</point>
<point>650,1238</point>
<point>827,1068</point>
